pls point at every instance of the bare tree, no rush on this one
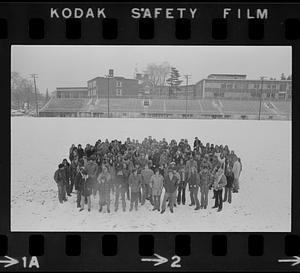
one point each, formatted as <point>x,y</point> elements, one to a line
<point>158,74</point>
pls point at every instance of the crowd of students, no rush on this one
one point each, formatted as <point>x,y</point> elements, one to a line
<point>137,172</point>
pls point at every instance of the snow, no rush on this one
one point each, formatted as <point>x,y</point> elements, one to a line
<point>262,205</point>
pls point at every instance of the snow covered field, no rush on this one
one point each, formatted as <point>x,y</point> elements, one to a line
<point>263,203</point>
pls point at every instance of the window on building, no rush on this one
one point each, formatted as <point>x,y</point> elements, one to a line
<point>256,86</point>
<point>118,84</point>
<point>274,86</point>
<point>229,86</point>
<point>118,92</point>
<point>223,85</point>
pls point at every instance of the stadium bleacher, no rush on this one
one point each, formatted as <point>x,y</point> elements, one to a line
<point>170,107</point>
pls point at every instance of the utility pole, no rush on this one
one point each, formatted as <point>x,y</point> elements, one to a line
<point>34,76</point>
<point>260,98</point>
<point>110,75</point>
<point>186,93</point>
<point>108,96</point>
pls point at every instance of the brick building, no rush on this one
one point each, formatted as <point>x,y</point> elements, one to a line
<point>119,87</point>
<point>233,86</point>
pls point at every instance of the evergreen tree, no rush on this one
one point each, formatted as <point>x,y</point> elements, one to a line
<point>174,81</point>
<point>282,77</point>
<point>47,96</point>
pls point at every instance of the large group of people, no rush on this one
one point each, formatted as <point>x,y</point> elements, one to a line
<point>137,172</point>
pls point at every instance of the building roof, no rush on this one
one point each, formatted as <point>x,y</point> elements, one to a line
<point>71,89</point>
<point>115,77</point>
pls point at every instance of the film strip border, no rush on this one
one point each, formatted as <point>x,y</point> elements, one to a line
<point>230,23</point>
<point>31,24</point>
<point>194,251</point>
<point>147,29</point>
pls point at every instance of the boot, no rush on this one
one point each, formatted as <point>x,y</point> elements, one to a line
<point>162,211</point>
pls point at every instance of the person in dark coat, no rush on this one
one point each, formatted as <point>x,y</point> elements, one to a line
<point>79,182</point>
<point>182,184</point>
<point>194,183</point>
<point>67,174</point>
<point>121,186</point>
<point>171,182</point>
<point>92,170</point>
<point>60,179</point>
<point>229,186</point>
<point>73,173</point>
<point>135,183</point>
<point>80,151</point>
<point>205,182</point>
<point>86,190</point>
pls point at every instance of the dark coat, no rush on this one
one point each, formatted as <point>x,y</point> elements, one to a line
<point>60,177</point>
<point>230,178</point>
<point>171,184</point>
<point>194,180</point>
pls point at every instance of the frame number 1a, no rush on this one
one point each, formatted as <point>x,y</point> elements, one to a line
<point>30,262</point>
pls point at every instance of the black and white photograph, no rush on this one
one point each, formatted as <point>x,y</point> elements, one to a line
<point>151,138</point>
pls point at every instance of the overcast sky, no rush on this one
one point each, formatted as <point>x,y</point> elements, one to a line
<point>62,66</point>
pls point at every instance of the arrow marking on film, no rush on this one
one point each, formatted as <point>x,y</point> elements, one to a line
<point>295,261</point>
<point>158,260</point>
<point>9,262</point>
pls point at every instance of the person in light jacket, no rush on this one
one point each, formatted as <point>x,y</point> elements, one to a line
<point>236,169</point>
<point>104,181</point>
<point>156,184</point>
<point>219,183</point>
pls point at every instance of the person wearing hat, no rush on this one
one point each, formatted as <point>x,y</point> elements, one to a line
<point>80,151</point>
<point>135,182</point>
<point>67,174</point>
<point>219,183</point>
<point>60,179</point>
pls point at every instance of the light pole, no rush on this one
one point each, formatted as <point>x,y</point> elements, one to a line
<point>260,97</point>
<point>186,93</point>
<point>110,75</point>
<point>36,101</point>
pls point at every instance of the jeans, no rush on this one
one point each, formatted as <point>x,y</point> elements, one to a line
<point>228,192</point>
<point>181,193</point>
<point>70,186</point>
<point>236,184</point>
<point>120,190</point>
<point>218,199</point>
<point>194,194</point>
<point>104,198</point>
<point>134,200</point>
<point>78,200</point>
<point>61,192</point>
<point>88,199</point>
<point>172,199</point>
<point>204,198</point>
<point>156,202</point>
<point>146,194</point>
